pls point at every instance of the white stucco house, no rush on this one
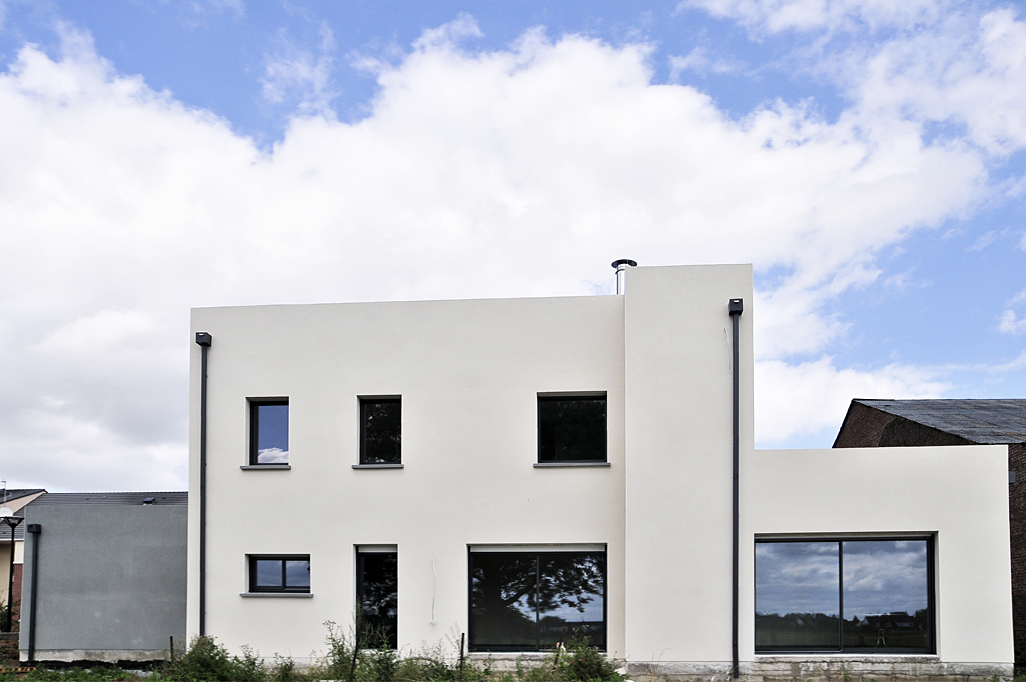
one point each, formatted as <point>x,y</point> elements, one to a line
<point>528,470</point>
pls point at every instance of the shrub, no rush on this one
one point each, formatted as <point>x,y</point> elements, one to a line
<point>208,660</point>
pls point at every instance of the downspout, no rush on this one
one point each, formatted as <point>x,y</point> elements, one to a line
<point>35,529</point>
<point>735,307</point>
<point>203,339</point>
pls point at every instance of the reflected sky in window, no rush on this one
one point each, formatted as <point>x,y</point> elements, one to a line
<point>885,577</point>
<point>797,577</point>
<point>272,434</point>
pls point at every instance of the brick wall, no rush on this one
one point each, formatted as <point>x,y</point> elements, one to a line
<point>1017,528</point>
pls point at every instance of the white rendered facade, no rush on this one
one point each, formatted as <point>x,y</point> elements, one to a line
<point>470,374</point>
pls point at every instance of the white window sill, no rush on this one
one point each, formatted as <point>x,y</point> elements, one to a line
<point>385,465</point>
<point>290,595</point>
<point>559,465</point>
<point>258,467</point>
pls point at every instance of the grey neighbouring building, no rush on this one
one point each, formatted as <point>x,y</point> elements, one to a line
<point>105,576</point>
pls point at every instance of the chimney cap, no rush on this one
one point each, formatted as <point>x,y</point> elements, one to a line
<point>624,261</point>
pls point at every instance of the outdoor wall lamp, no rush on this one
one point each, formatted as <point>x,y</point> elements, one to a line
<point>12,521</point>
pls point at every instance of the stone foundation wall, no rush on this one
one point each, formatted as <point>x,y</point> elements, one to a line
<point>832,669</point>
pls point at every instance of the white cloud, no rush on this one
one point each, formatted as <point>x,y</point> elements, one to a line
<point>773,16</point>
<point>698,60</point>
<point>521,171</point>
<point>801,399</point>
<point>296,76</point>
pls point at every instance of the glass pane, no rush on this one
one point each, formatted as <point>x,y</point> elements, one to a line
<point>571,429</point>
<point>502,599</point>
<point>272,434</point>
<point>379,598</point>
<point>886,595</point>
<point>297,574</point>
<point>381,431</point>
<point>268,573</point>
<point>797,595</point>
<point>570,598</point>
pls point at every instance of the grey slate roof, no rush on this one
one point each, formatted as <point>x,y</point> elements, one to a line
<point>124,499</point>
<point>980,421</point>
<point>16,493</point>
<point>19,532</point>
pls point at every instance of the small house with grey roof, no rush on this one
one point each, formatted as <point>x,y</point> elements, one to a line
<point>105,577</point>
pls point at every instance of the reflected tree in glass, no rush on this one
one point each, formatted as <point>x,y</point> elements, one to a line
<point>378,597</point>
<point>525,601</point>
<point>381,431</point>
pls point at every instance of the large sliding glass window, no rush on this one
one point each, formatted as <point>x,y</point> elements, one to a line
<point>852,595</point>
<point>527,601</point>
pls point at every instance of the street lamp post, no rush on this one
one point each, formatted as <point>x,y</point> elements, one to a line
<point>12,521</point>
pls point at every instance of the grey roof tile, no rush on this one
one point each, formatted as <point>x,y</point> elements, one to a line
<point>985,421</point>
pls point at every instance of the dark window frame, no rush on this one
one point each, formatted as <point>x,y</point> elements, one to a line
<point>369,400</point>
<point>471,646</point>
<point>361,556</point>
<point>283,587</point>
<point>254,405</point>
<point>931,596</point>
<point>557,397</point>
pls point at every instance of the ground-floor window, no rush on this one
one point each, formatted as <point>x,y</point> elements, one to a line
<point>377,594</point>
<point>279,573</point>
<point>524,601</point>
<point>872,595</point>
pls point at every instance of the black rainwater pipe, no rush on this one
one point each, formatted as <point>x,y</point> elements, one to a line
<point>203,339</point>
<point>735,307</point>
<point>35,530</point>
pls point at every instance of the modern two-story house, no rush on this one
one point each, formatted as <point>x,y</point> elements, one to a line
<point>529,470</point>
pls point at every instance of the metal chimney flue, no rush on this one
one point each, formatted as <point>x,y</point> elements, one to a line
<point>621,268</point>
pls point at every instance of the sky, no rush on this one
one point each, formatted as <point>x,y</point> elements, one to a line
<point>869,158</point>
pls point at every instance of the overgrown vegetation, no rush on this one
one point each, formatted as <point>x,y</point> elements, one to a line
<point>206,660</point>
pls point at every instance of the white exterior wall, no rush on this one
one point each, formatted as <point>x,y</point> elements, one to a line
<point>469,373</point>
<point>957,494</point>
<point>679,427</point>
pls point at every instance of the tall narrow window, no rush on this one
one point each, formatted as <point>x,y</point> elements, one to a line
<point>572,429</point>
<point>526,601</point>
<point>269,431</point>
<point>852,595</point>
<point>377,593</point>
<point>279,573</point>
<point>381,430</point>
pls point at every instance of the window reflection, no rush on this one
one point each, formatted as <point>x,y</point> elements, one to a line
<point>886,595</point>
<point>527,601</point>
<point>796,597</point>
<point>844,595</point>
<point>269,423</point>
<point>572,429</point>
<point>377,587</point>
<point>381,431</point>
<point>279,574</point>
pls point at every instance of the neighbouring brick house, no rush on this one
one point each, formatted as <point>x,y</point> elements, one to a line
<point>897,423</point>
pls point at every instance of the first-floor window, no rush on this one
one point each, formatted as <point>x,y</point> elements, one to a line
<point>523,601</point>
<point>850,595</point>
<point>377,594</point>
<point>279,573</point>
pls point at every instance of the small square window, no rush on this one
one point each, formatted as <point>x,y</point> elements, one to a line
<point>279,573</point>
<point>572,429</point>
<point>268,432</point>
<point>377,593</point>
<point>381,430</point>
